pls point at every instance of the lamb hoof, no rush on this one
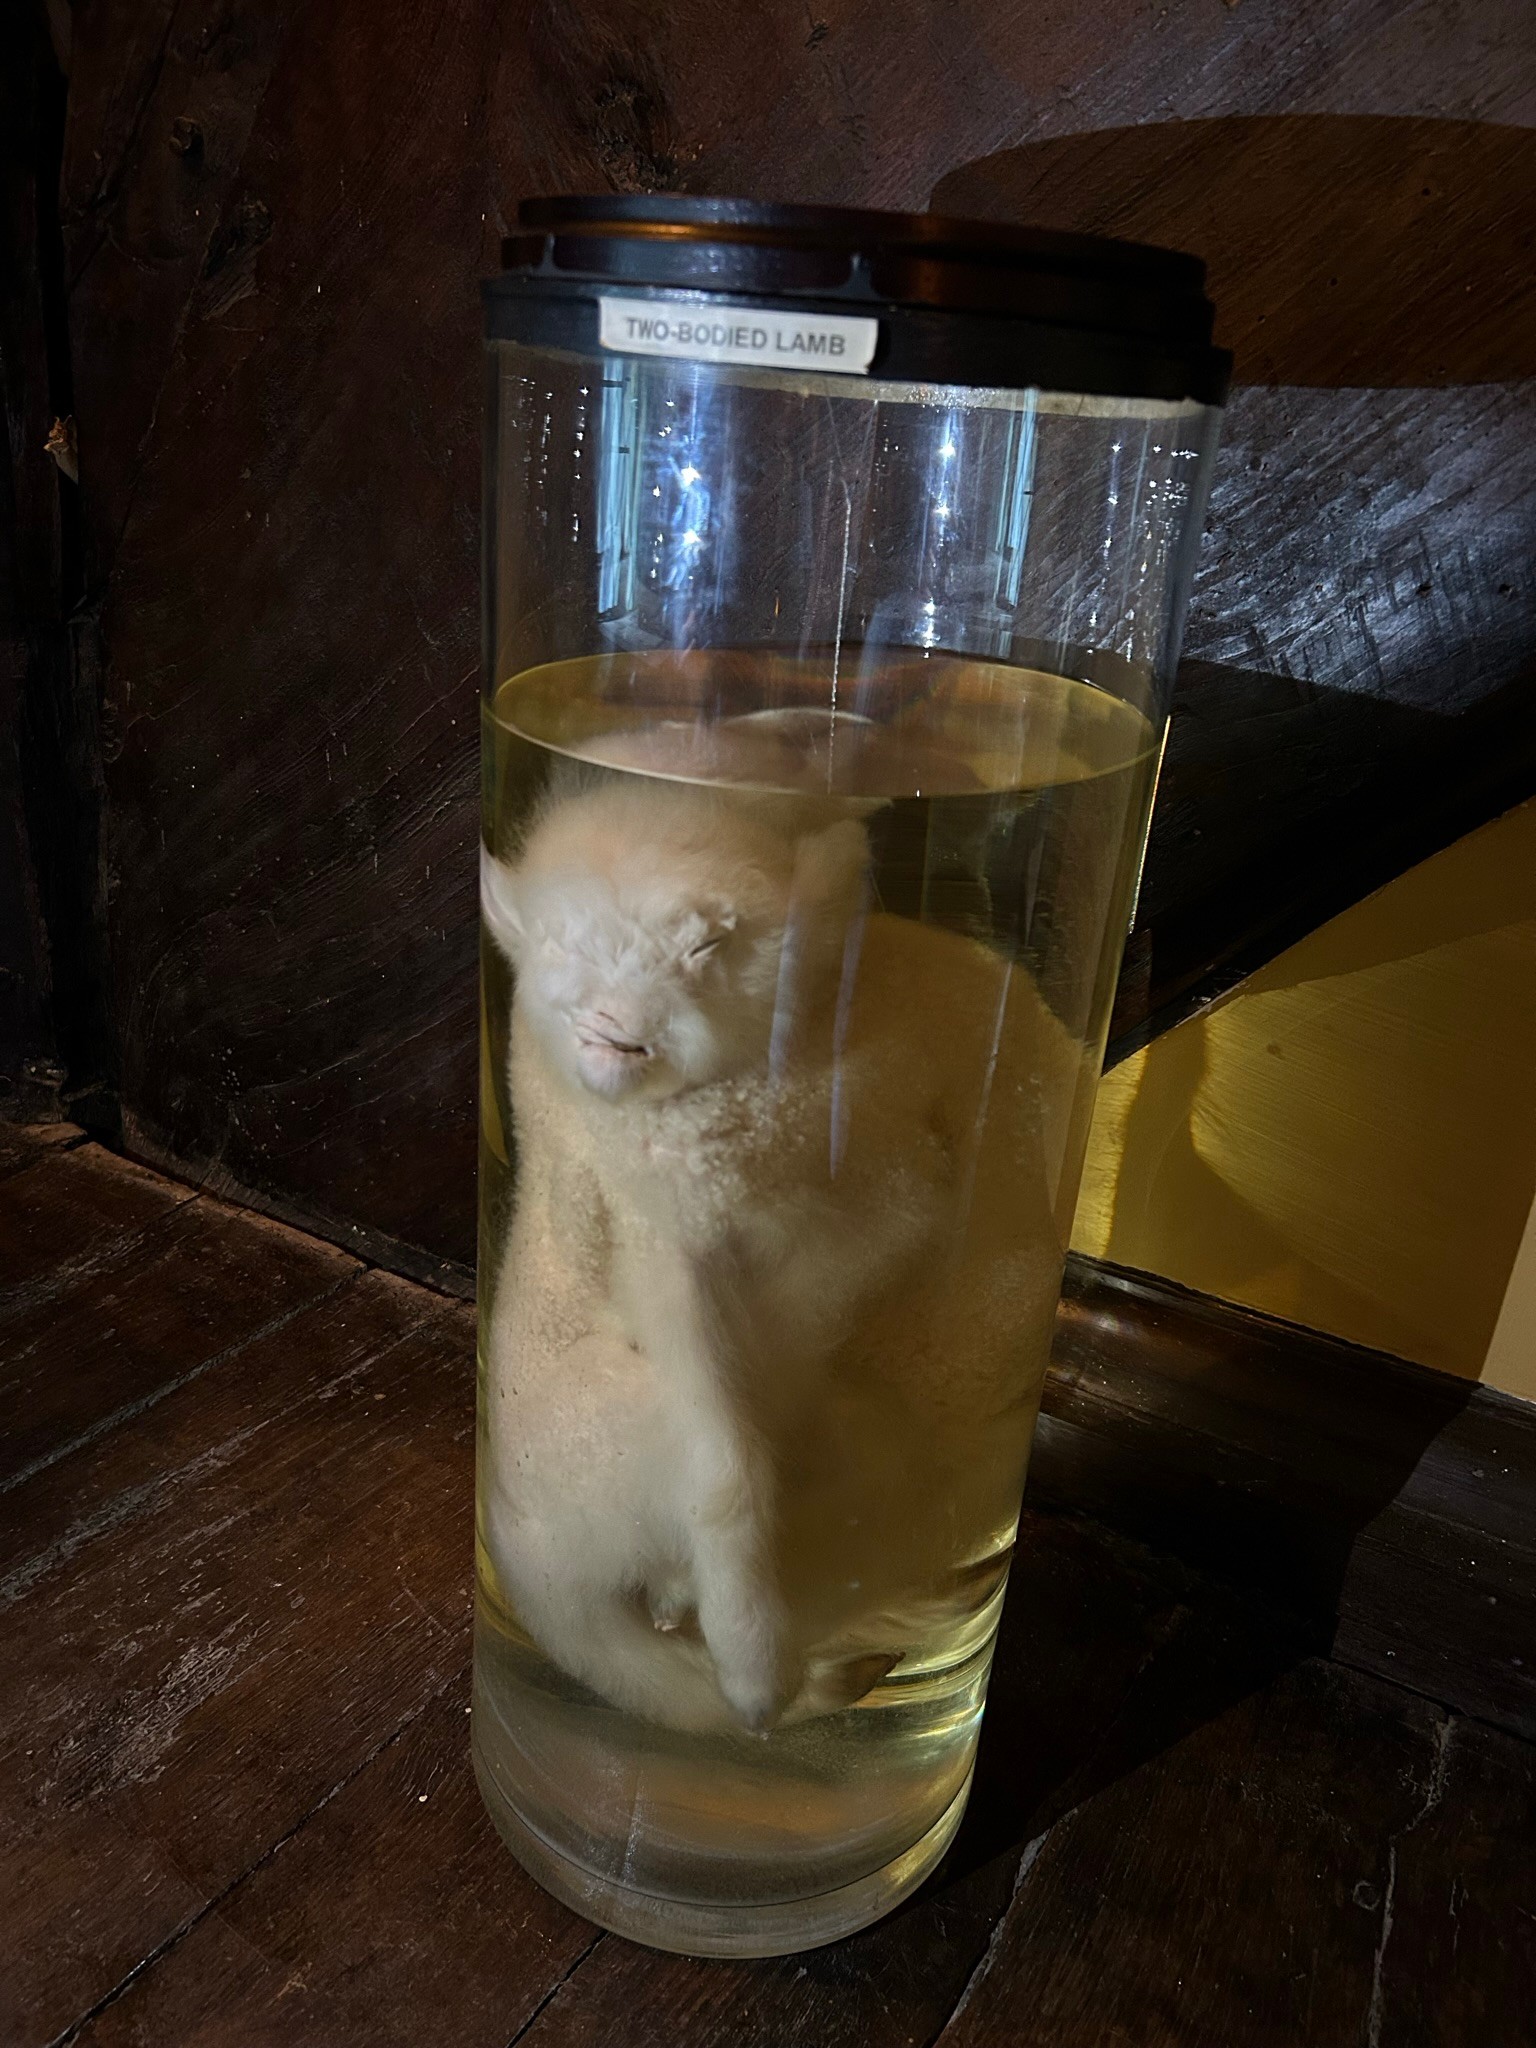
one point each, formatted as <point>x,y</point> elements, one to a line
<point>758,1700</point>
<point>846,1684</point>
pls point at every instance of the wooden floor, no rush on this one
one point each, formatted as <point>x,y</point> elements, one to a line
<point>235,1800</point>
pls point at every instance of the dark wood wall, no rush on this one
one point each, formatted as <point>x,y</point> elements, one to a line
<point>55,1041</point>
<point>273,220</point>
<point>31,555</point>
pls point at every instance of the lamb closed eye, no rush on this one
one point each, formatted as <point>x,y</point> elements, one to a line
<point>705,947</point>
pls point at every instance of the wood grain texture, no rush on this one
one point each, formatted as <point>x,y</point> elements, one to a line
<point>30,543</point>
<point>309,941</point>
<point>1228,1849</point>
<point>1392,1505</point>
<point>393,1916</point>
<point>1455,1963</point>
<point>56,1048</point>
<point>204,1283</point>
<point>1341,250</point>
<point>1233,1888</point>
<point>1357,687</point>
<point>23,1145</point>
<point>1086,1617</point>
<point>235,1803</point>
<point>282,497</point>
<point>162,98</point>
<point>74,1217</point>
<point>244,1601</point>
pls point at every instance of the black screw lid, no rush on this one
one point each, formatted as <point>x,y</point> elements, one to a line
<point>960,302</point>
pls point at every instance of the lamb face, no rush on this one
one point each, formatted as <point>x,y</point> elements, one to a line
<point>651,927</point>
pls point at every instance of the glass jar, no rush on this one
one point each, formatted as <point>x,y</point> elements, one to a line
<point>834,573</point>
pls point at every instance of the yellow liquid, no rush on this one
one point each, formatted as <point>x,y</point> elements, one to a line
<point>916,1162</point>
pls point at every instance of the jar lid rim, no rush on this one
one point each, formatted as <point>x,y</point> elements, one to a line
<point>963,302</point>
<point>670,216</point>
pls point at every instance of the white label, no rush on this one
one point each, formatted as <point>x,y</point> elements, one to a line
<point>737,334</point>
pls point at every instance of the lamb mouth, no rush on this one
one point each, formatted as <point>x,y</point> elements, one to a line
<point>597,1042</point>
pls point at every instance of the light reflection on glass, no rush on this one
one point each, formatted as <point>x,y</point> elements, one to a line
<point>997,549</point>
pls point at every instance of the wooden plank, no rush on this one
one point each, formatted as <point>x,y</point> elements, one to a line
<point>72,1216</point>
<point>356,1056</point>
<point>1457,1950</point>
<point>394,1914</point>
<point>1227,1884</point>
<point>1087,1617</point>
<point>1436,293</point>
<point>1450,1612</point>
<point>259,1589</point>
<point>110,1478</point>
<point>294,834</point>
<point>1339,715</point>
<point>31,606</point>
<point>22,1145</point>
<point>162,97</point>
<point>890,1987</point>
<point>1239,1842</point>
<point>373,1247</point>
<point>1356,692</point>
<point>54,1027</point>
<point>24,1034</point>
<point>1392,1504</point>
<point>379,1907</point>
<point>206,1281</point>
<point>239,1669</point>
<point>877,102</point>
<point>1356,689</point>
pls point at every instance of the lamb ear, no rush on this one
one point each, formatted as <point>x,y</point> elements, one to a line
<point>830,864</point>
<point>499,905</point>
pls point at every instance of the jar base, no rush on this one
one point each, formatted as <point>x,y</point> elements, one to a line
<point>687,1928</point>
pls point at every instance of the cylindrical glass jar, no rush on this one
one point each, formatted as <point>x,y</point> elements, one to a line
<point>834,573</point>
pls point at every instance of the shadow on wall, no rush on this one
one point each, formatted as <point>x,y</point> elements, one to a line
<point>1368,552</point>
<point>1349,1141</point>
<point>1342,249</point>
<point>1282,801</point>
<point>1316,1148</point>
<point>1236,1153</point>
